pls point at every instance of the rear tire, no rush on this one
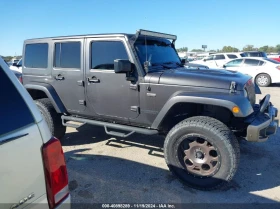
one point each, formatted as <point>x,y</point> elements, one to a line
<point>52,118</point>
<point>263,80</point>
<point>202,152</point>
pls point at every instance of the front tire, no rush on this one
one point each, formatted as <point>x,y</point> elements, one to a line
<point>202,152</point>
<point>52,118</point>
<point>263,80</point>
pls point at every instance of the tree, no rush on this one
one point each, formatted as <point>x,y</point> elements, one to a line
<point>183,49</point>
<point>197,50</point>
<point>264,48</point>
<point>229,49</point>
<point>248,48</point>
<point>277,48</point>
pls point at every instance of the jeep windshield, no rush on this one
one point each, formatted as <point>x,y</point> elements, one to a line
<point>158,52</point>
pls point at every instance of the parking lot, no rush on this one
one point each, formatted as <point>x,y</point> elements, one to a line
<point>104,169</point>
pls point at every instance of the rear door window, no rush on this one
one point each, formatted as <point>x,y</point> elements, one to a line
<point>67,55</point>
<point>14,112</point>
<point>232,56</point>
<point>251,62</point>
<point>219,57</point>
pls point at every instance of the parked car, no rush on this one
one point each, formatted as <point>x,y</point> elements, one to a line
<point>217,60</point>
<point>253,54</point>
<point>17,66</point>
<point>263,70</point>
<point>276,59</point>
<point>82,78</point>
<point>33,170</point>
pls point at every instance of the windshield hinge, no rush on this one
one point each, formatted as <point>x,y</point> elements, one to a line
<point>232,87</point>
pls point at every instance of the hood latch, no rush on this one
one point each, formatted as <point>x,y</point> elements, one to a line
<point>232,87</point>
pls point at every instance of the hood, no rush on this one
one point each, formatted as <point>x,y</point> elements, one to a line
<point>209,78</point>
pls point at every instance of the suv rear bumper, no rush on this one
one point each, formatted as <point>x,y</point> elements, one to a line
<point>262,124</point>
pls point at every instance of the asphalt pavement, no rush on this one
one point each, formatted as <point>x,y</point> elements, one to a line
<point>104,169</point>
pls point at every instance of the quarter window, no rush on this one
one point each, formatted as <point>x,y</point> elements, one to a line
<point>67,55</point>
<point>15,113</point>
<point>103,54</point>
<point>36,55</point>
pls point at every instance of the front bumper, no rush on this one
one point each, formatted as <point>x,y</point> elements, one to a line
<point>262,123</point>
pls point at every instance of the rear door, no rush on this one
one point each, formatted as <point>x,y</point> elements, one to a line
<point>251,66</point>
<point>219,60</point>
<point>67,73</point>
<point>21,169</point>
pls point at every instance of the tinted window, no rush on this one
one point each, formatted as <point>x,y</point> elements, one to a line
<point>251,62</point>
<point>103,54</point>
<point>14,113</point>
<point>219,57</point>
<point>19,63</point>
<point>67,55</point>
<point>156,51</point>
<point>261,63</point>
<point>234,63</point>
<point>209,58</point>
<point>36,55</point>
<point>232,56</point>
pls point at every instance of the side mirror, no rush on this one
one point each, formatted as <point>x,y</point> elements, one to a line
<point>224,66</point>
<point>122,66</point>
<point>183,61</point>
<point>204,60</point>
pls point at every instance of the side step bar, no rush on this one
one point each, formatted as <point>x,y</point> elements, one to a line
<point>107,125</point>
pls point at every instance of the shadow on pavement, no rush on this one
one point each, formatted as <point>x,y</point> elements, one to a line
<point>103,179</point>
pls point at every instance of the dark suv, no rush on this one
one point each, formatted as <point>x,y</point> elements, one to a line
<point>136,83</point>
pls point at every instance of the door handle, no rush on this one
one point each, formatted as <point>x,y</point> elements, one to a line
<point>59,77</point>
<point>93,80</point>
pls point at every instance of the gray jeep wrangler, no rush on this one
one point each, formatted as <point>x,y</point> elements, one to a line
<point>136,83</point>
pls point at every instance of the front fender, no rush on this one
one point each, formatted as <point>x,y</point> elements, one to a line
<point>223,100</point>
<point>51,94</point>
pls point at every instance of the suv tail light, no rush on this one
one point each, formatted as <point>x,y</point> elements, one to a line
<point>55,172</point>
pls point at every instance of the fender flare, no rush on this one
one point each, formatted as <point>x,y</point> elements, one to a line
<point>223,100</point>
<point>51,94</point>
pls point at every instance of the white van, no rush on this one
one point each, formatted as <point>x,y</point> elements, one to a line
<point>217,60</point>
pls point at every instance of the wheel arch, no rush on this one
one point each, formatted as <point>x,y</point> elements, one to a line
<point>189,106</point>
<point>46,91</point>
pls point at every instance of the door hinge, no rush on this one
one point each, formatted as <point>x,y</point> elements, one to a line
<point>134,86</point>
<point>135,109</point>
<point>80,83</point>
<point>82,102</point>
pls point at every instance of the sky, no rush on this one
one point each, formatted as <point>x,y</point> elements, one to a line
<point>214,23</point>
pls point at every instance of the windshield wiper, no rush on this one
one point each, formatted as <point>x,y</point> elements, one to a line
<point>177,63</point>
<point>162,65</point>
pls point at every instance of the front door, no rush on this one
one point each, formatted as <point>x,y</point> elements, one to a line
<point>109,94</point>
<point>67,74</point>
